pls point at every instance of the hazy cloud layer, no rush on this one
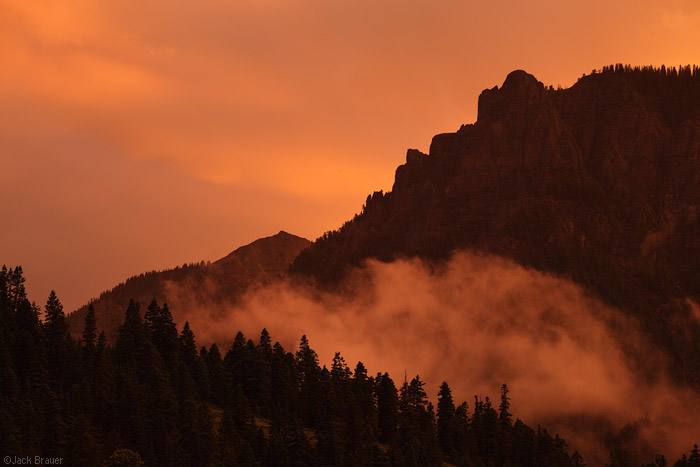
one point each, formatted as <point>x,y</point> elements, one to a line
<point>479,322</point>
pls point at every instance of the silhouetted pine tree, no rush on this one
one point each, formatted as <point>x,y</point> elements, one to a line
<point>192,367</point>
<point>486,429</point>
<point>60,351</point>
<point>523,444</point>
<point>465,443</point>
<point>308,373</point>
<point>257,381</point>
<point>362,416</point>
<point>694,459</point>
<point>218,379</point>
<point>152,316</point>
<point>283,386</point>
<point>165,337</point>
<point>416,442</point>
<point>387,408</point>
<point>129,346</point>
<point>15,287</point>
<point>446,422</point>
<point>188,348</point>
<point>505,426</point>
<point>27,347</point>
<point>265,343</point>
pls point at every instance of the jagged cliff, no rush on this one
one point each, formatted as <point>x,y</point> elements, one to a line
<point>599,182</point>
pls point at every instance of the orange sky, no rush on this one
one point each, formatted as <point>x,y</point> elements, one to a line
<point>140,135</point>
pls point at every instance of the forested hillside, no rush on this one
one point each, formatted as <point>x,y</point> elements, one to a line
<point>154,399</point>
<point>192,285</point>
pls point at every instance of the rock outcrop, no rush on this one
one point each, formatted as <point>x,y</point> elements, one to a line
<point>599,183</point>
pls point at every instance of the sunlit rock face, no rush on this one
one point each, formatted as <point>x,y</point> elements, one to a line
<point>598,183</point>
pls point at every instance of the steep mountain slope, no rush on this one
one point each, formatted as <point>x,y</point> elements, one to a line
<point>599,183</point>
<point>196,284</point>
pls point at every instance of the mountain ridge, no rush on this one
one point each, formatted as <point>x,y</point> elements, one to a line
<point>218,282</point>
<point>599,183</point>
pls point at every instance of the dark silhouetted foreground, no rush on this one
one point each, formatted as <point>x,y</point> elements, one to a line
<point>153,399</point>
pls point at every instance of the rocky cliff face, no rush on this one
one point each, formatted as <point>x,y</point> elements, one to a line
<point>599,183</point>
<point>190,287</point>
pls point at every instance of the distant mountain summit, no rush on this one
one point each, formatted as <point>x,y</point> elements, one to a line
<point>264,258</point>
<point>599,183</point>
<point>190,286</point>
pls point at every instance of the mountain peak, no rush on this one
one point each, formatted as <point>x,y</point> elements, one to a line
<point>520,79</point>
<point>518,94</point>
<point>282,246</point>
<point>598,182</point>
<point>186,288</point>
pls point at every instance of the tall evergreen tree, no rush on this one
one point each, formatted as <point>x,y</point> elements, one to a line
<point>362,416</point>
<point>59,349</point>
<point>4,294</point>
<point>192,368</point>
<point>188,348</point>
<point>28,351</point>
<point>694,459</point>
<point>152,316</point>
<point>265,343</point>
<point>505,426</point>
<point>165,337</point>
<point>284,386</point>
<point>309,375</point>
<point>257,381</point>
<point>130,340</point>
<point>486,428</point>
<point>387,408</point>
<point>413,396</point>
<point>417,442</point>
<point>16,290</point>
<point>55,318</point>
<point>220,384</point>
<point>446,420</point>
